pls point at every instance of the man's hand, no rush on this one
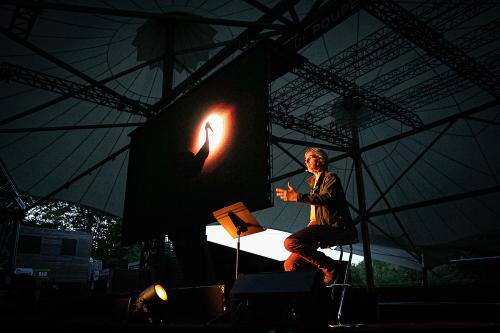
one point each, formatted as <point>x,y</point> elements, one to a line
<point>287,195</point>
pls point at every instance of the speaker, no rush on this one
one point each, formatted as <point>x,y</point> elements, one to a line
<point>195,305</point>
<point>277,299</point>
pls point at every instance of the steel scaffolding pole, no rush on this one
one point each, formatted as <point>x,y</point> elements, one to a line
<point>356,156</point>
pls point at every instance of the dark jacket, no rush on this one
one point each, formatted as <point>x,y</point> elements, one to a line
<point>329,198</point>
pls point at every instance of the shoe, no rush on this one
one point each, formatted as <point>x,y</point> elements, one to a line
<point>328,276</point>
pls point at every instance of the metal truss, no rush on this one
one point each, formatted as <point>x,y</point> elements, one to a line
<point>65,66</point>
<point>438,87</point>
<point>314,83</point>
<point>10,200</point>
<point>385,45</point>
<point>40,4</point>
<point>94,94</point>
<point>442,85</point>
<point>375,50</point>
<point>281,117</point>
<point>345,88</point>
<point>313,27</point>
<point>23,20</point>
<point>434,43</point>
<point>12,209</point>
<point>243,40</point>
<point>423,27</point>
<point>479,37</point>
<point>370,213</point>
<point>318,21</point>
<point>299,92</point>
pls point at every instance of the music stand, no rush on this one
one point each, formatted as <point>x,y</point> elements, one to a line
<point>238,222</point>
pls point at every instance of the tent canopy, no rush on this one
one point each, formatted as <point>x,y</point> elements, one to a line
<point>402,94</point>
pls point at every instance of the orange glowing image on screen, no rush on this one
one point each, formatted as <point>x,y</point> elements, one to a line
<point>215,131</point>
<point>216,125</point>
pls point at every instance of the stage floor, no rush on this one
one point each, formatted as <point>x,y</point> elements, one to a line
<point>418,309</point>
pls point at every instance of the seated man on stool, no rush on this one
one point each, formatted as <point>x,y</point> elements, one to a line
<point>330,219</point>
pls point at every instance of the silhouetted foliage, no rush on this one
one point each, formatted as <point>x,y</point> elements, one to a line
<point>390,275</point>
<point>385,274</point>
<point>105,229</point>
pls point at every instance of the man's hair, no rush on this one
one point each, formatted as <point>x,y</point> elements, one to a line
<point>323,157</point>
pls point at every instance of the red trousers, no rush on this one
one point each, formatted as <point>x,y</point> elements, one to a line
<point>304,245</point>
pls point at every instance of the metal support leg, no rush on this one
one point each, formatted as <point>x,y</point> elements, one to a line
<point>343,284</point>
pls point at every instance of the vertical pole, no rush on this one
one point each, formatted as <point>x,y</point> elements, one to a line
<point>345,284</point>
<point>238,255</point>
<point>168,59</point>
<point>356,156</point>
<point>424,272</point>
<point>144,265</point>
<point>159,269</point>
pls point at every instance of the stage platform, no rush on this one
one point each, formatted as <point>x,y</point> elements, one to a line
<point>91,325</point>
<point>207,309</point>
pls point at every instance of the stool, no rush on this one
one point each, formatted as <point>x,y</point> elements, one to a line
<point>343,284</point>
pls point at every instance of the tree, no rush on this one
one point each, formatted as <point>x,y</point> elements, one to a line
<point>105,229</point>
<point>386,274</point>
<point>390,275</point>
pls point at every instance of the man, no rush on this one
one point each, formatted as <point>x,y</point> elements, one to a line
<point>330,220</point>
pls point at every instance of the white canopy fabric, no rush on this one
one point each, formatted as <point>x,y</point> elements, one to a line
<point>419,81</point>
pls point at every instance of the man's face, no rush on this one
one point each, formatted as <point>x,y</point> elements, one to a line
<point>313,162</point>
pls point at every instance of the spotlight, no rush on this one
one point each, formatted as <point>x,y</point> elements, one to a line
<point>148,305</point>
